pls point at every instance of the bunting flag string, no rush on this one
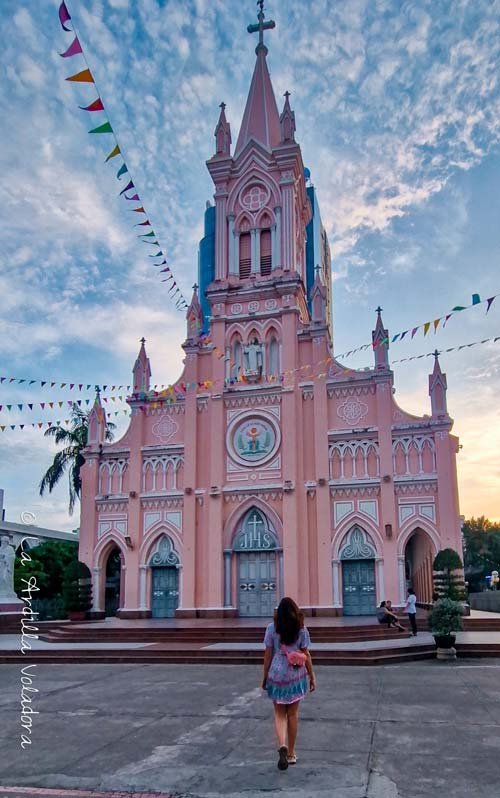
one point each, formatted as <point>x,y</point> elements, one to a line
<point>425,327</point>
<point>172,393</point>
<point>28,383</point>
<point>47,424</point>
<point>86,76</point>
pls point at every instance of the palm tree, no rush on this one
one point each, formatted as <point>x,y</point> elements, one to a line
<point>75,440</point>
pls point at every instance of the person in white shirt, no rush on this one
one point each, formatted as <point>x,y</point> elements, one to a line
<point>411,609</point>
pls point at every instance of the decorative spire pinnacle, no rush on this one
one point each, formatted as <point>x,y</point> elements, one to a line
<point>97,420</point>
<point>194,316</point>
<point>142,370</point>
<point>380,342</point>
<point>437,388</point>
<point>261,27</point>
<point>223,133</point>
<point>287,121</point>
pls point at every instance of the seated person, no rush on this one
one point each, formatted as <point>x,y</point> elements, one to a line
<point>386,615</point>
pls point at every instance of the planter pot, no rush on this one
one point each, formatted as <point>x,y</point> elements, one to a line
<point>445,641</point>
<point>445,647</point>
<point>77,615</point>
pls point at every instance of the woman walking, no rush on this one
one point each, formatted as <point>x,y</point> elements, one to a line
<point>287,665</point>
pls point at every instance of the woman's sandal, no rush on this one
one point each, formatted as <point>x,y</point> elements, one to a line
<point>283,760</point>
<point>292,759</point>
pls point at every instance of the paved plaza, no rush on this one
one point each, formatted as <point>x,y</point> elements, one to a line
<point>404,731</point>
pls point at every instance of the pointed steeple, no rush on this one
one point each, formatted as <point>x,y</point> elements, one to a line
<point>437,389</point>
<point>97,421</point>
<point>142,370</point>
<point>194,316</point>
<point>223,134</point>
<point>380,342</point>
<point>261,120</point>
<point>287,121</point>
<point>318,299</point>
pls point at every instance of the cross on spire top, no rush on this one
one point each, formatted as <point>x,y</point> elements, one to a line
<point>379,310</point>
<point>436,353</point>
<point>261,27</point>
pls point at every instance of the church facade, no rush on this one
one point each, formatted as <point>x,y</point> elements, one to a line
<point>269,469</point>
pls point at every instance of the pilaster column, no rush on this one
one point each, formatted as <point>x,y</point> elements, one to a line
<point>255,250</point>
<point>281,586</point>
<point>276,263</point>
<point>220,235</point>
<point>233,262</point>
<point>402,579</point>
<point>336,583</point>
<point>96,590</point>
<point>142,587</point>
<point>380,580</point>
<point>227,577</point>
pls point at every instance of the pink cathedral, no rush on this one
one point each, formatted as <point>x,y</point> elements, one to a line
<point>269,469</point>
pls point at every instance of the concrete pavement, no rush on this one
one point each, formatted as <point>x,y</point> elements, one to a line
<point>400,731</point>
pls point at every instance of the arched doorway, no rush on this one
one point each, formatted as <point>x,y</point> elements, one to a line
<point>112,584</point>
<point>419,556</point>
<point>165,564</point>
<point>357,554</point>
<point>256,546</point>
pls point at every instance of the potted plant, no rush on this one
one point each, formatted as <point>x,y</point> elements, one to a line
<point>77,591</point>
<point>445,618</point>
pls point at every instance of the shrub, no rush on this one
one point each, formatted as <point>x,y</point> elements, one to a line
<point>445,617</point>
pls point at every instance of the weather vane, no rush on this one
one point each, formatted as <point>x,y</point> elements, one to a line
<point>261,27</point>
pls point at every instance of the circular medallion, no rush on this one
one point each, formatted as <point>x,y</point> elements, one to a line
<point>253,439</point>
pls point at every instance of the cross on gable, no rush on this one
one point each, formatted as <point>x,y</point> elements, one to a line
<point>261,27</point>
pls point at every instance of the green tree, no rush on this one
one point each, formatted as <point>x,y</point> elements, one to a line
<point>48,563</point>
<point>70,457</point>
<point>481,538</point>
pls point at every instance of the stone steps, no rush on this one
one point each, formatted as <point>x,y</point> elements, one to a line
<point>216,657</point>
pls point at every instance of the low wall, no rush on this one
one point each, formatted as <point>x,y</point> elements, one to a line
<point>489,601</point>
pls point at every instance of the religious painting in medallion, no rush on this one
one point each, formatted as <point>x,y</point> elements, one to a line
<point>252,440</point>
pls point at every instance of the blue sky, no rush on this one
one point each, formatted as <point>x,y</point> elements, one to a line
<point>398,114</point>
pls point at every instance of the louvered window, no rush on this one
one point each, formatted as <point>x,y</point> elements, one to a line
<point>245,256</point>
<point>265,252</point>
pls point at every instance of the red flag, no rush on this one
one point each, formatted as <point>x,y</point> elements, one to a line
<point>138,210</point>
<point>147,223</point>
<point>64,16</point>
<point>95,106</point>
<point>74,48</point>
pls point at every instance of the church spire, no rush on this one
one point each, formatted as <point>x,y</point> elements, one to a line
<point>380,342</point>
<point>261,121</point>
<point>437,389</point>
<point>222,134</point>
<point>142,370</point>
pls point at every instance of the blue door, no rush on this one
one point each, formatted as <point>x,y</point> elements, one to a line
<point>165,592</point>
<point>257,584</point>
<point>358,587</point>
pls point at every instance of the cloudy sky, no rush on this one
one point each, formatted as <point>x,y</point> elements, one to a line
<point>398,114</point>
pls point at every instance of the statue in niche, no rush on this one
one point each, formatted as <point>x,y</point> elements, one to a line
<point>252,360</point>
